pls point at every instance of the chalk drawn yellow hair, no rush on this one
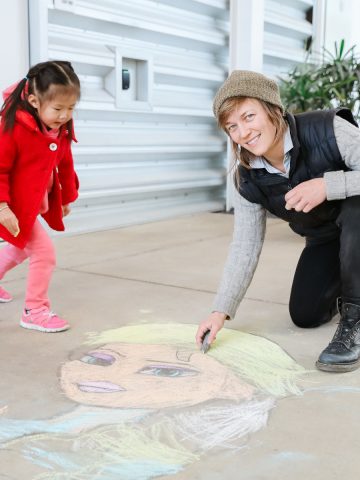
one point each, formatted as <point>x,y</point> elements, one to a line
<point>255,359</point>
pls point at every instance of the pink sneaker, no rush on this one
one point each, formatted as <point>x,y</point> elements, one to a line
<point>4,296</point>
<point>43,319</point>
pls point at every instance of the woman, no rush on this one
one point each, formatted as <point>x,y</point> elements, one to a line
<point>304,169</point>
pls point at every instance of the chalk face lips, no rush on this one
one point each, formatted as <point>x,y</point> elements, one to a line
<point>100,387</point>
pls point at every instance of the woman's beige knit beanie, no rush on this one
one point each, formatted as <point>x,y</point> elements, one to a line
<point>244,83</point>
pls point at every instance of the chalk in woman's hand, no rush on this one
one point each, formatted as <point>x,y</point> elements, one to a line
<point>205,345</point>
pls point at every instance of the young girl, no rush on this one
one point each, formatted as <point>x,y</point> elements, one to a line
<point>37,177</point>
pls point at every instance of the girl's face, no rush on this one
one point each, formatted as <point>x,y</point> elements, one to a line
<point>250,127</point>
<point>56,112</point>
<point>149,376</point>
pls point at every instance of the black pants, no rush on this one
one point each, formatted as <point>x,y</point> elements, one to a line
<point>328,270</point>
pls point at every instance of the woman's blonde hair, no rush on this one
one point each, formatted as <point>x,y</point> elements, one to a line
<point>241,155</point>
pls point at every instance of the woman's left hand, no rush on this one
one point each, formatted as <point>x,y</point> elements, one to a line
<point>66,210</point>
<point>306,196</point>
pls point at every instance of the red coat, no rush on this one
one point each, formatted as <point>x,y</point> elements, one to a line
<point>27,158</point>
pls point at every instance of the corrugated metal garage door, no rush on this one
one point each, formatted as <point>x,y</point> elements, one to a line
<point>289,27</point>
<point>153,150</point>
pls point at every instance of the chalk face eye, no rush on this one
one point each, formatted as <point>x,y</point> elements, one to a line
<point>168,371</point>
<point>100,359</point>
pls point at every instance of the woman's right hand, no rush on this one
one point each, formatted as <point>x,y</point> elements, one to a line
<point>214,322</point>
<point>9,220</point>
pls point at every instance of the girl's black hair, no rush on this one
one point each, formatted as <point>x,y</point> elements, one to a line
<point>39,80</point>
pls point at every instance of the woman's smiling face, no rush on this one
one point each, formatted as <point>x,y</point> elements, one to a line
<point>250,127</point>
<point>148,376</point>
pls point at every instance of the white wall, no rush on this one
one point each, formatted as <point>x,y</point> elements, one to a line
<point>355,29</point>
<point>342,21</point>
<point>14,43</point>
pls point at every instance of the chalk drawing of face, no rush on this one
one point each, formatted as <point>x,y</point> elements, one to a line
<point>149,403</point>
<point>149,376</point>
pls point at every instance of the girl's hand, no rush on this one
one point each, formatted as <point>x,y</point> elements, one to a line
<point>306,196</point>
<point>66,210</point>
<point>9,220</point>
<point>214,322</point>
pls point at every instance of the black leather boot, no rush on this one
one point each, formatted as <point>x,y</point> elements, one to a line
<point>343,352</point>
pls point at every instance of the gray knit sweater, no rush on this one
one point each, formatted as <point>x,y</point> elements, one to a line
<point>250,221</point>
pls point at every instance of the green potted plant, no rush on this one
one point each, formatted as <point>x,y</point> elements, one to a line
<point>332,83</point>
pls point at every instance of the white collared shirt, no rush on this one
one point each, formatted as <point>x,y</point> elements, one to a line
<point>261,162</point>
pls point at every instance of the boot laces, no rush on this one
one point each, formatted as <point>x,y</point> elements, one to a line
<point>346,334</point>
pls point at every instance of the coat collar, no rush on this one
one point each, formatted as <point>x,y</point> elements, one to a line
<point>28,121</point>
<point>294,153</point>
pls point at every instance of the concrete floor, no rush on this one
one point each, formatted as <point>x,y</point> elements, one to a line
<point>168,272</point>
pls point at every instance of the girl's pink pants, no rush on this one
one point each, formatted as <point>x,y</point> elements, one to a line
<point>41,253</point>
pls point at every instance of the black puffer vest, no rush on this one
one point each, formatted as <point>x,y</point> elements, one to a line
<point>315,152</point>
